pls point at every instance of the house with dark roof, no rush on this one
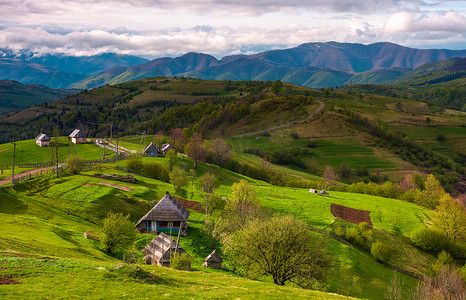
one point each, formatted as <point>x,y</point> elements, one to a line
<point>166,216</point>
<point>213,260</point>
<point>152,150</point>
<point>78,137</point>
<point>166,148</point>
<point>160,250</point>
<point>42,140</point>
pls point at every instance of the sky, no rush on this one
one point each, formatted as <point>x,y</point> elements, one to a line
<point>156,28</point>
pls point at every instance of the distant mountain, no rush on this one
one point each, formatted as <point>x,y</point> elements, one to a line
<point>30,73</point>
<point>311,65</point>
<point>74,64</point>
<point>14,95</point>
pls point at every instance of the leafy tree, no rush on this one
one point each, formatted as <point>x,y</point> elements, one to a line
<point>277,87</point>
<point>450,217</point>
<point>75,164</point>
<point>432,192</point>
<point>195,149</point>
<point>177,139</point>
<point>118,232</point>
<point>242,204</point>
<point>180,261</point>
<point>281,247</point>
<point>178,178</point>
<point>344,170</point>
<point>221,151</point>
<point>210,201</point>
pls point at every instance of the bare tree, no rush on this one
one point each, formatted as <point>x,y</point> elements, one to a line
<point>448,284</point>
<point>395,288</point>
<point>330,174</point>
<point>195,149</point>
<point>210,201</point>
<point>221,151</point>
<point>177,139</point>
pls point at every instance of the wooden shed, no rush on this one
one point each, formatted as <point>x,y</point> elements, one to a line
<point>160,249</point>
<point>213,260</point>
<point>166,216</point>
<point>78,137</point>
<point>166,148</point>
<point>42,140</point>
<point>152,150</point>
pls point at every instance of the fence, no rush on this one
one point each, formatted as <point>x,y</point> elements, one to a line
<point>26,165</point>
<point>32,175</point>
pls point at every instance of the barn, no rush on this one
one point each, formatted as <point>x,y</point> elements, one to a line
<point>160,249</point>
<point>152,150</point>
<point>166,216</point>
<point>78,137</point>
<point>213,260</point>
<point>42,140</point>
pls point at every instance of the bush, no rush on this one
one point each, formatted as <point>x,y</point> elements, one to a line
<point>74,164</point>
<point>381,251</point>
<point>157,170</point>
<point>135,163</point>
<point>430,240</point>
<point>180,261</point>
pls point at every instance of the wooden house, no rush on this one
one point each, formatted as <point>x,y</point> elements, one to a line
<point>213,260</point>
<point>166,216</point>
<point>43,140</point>
<point>166,148</point>
<point>152,150</point>
<point>160,249</point>
<point>78,137</point>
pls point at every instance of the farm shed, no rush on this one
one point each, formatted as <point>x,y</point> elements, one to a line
<point>78,137</point>
<point>152,150</point>
<point>166,148</point>
<point>166,216</point>
<point>311,190</point>
<point>213,260</point>
<point>160,250</point>
<point>42,140</point>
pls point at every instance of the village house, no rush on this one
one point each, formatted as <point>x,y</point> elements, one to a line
<point>166,148</point>
<point>43,140</point>
<point>160,249</point>
<point>166,216</point>
<point>152,150</point>
<point>213,260</point>
<point>78,137</point>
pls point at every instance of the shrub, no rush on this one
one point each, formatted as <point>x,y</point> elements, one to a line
<point>135,163</point>
<point>157,170</point>
<point>180,261</point>
<point>363,226</point>
<point>430,240</point>
<point>381,251</point>
<point>74,164</point>
<point>340,231</point>
<point>351,233</point>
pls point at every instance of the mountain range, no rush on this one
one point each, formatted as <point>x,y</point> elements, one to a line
<point>311,65</point>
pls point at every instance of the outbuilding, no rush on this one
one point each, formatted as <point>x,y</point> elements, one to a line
<point>43,140</point>
<point>166,148</point>
<point>152,150</point>
<point>78,137</point>
<point>166,216</point>
<point>213,260</point>
<point>160,250</point>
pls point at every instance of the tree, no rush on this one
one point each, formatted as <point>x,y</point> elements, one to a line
<point>330,174</point>
<point>210,201</point>
<point>75,164</point>
<point>178,178</point>
<point>428,120</point>
<point>448,284</point>
<point>221,151</point>
<point>277,86</point>
<point>344,170</point>
<point>242,204</point>
<point>177,139</point>
<point>450,217</point>
<point>281,247</point>
<point>432,192</point>
<point>118,232</point>
<point>195,149</point>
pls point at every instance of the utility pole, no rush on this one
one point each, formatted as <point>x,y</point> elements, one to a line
<point>13,171</point>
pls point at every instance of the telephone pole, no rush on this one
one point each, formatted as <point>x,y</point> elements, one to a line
<point>13,170</point>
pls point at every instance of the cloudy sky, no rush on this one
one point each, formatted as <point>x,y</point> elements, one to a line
<point>154,28</point>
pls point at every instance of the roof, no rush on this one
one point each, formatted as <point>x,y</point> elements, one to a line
<point>167,209</point>
<point>214,257</point>
<point>152,148</point>
<point>166,147</point>
<point>42,137</point>
<point>77,133</point>
<point>160,245</point>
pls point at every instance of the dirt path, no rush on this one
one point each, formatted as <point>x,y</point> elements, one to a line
<point>217,173</point>
<point>8,179</point>
<point>321,106</point>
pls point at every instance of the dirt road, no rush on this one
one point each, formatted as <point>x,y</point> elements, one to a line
<point>35,171</point>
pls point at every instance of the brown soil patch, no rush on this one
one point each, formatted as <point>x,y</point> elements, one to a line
<point>189,204</point>
<point>123,188</point>
<point>8,280</point>
<point>351,215</point>
<point>89,184</point>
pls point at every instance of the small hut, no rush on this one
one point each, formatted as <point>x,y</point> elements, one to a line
<point>166,148</point>
<point>166,216</point>
<point>152,150</point>
<point>78,137</point>
<point>160,249</point>
<point>323,193</point>
<point>42,140</point>
<point>314,191</point>
<point>214,260</point>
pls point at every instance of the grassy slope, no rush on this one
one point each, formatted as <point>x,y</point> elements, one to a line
<point>34,222</point>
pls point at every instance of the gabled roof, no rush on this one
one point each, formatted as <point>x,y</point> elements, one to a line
<point>166,147</point>
<point>214,257</point>
<point>42,137</point>
<point>152,148</point>
<point>167,209</point>
<point>77,133</point>
<point>161,246</point>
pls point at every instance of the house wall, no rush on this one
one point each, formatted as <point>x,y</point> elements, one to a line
<point>160,226</point>
<point>79,140</point>
<point>43,143</point>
